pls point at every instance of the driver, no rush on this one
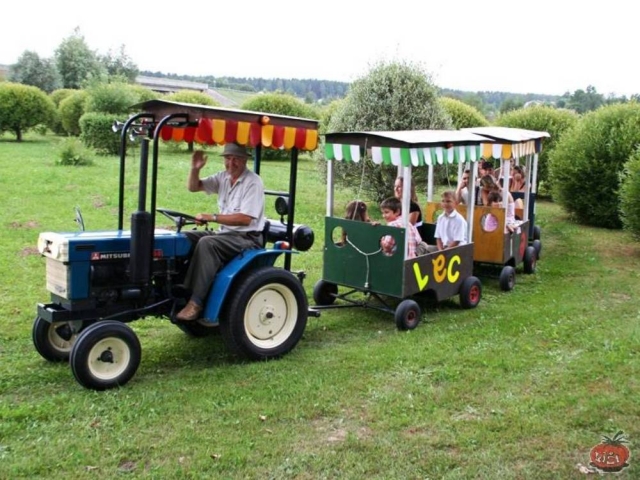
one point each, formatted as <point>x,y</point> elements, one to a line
<point>241,218</point>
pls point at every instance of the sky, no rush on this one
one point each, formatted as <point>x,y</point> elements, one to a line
<point>518,46</point>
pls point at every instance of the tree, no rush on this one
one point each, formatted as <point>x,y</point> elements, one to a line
<point>463,115</point>
<point>30,69</point>
<point>119,65</point>
<point>583,102</point>
<point>511,103</point>
<point>23,107</point>
<point>586,164</point>
<point>554,121</point>
<point>76,62</point>
<point>391,96</point>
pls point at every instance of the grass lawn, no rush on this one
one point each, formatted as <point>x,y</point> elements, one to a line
<point>521,387</point>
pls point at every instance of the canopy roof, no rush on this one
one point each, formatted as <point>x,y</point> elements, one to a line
<point>510,142</point>
<point>430,147</point>
<point>409,147</point>
<point>218,125</point>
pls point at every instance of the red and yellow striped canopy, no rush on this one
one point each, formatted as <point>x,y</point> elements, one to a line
<point>219,132</point>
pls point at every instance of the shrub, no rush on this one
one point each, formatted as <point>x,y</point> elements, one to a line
<point>587,162</point>
<point>279,104</point>
<point>115,98</point>
<point>327,112</point>
<point>630,194</point>
<point>393,96</point>
<point>23,107</point>
<point>143,94</point>
<point>197,98</point>
<point>97,133</point>
<point>554,121</point>
<point>71,109</point>
<point>57,96</point>
<point>463,115</point>
<point>72,153</point>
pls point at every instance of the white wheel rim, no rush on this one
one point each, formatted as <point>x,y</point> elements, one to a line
<point>59,343</point>
<point>109,358</point>
<point>271,315</point>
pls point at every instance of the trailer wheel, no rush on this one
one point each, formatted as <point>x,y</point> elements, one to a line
<point>324,293</point>
<point>470,292</point>
<point>529,260</point>
<point>507,278</point>
<point>105,355</point>
<point>266,314</point>
<point>53,341</point>
<point>537,245</point>
<point>536,232</point>
<point>407,315</point>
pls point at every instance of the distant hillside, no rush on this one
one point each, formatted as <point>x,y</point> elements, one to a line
<point>311,90</point>
<point>236,90</point>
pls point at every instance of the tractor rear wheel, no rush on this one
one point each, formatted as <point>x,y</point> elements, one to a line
<point>105,355</point>
<point>265,315</point>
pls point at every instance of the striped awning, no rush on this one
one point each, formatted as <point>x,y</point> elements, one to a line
<point>405,156</point>
<point>219,132</point>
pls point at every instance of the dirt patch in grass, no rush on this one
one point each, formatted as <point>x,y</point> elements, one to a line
<point>31,224</point>
<point>26,251</point>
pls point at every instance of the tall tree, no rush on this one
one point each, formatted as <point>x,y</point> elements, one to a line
<point>32,70</point>
<point>585,101</point>
<point>76,61</point>
<point>120,64</point>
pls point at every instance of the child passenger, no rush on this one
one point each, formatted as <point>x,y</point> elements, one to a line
<point>511,224</point>
<point>356,210</point>
<point>451,227</point>
<point>392,213</point>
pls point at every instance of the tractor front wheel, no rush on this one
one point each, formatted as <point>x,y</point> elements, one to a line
<point>105,355</point>
<point>53,341</point>
<point>265,315</point>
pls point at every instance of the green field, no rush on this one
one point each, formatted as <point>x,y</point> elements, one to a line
<point>521,387</point>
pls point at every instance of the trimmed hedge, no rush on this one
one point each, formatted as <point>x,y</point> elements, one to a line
<point>546,119</point>
<point>71,109</point>
<point>463,115</point>
<point>97,132</point>
<point>587,162</point>
<point>630,194</point>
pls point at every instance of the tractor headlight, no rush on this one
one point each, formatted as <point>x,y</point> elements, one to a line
<point>42,245</point>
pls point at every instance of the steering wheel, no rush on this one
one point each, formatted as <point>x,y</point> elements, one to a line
<point>179,218</point>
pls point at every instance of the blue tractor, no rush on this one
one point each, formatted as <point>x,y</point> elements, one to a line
<point>101,280</point>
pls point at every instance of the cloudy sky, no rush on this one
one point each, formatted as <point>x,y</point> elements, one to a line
<point>516,46</point>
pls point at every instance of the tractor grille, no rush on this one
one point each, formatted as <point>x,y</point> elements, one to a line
<point>58,277</point>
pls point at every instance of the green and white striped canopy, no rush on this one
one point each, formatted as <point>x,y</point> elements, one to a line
<point>400,156</point>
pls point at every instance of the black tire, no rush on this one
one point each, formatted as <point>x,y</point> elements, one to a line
<point>265,315</point>
<point>537,245</point>
<point>407,315</point>
<point>198,329</point>
<point>105,355</point>
<point>470,292</point>
<point>53,341</point>
<point>536,232</point>
<point>324,293</point>
<point>507,278</point>
<point>529,260</point>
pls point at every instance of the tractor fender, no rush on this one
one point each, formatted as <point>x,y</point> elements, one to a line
<point>224,279</point>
